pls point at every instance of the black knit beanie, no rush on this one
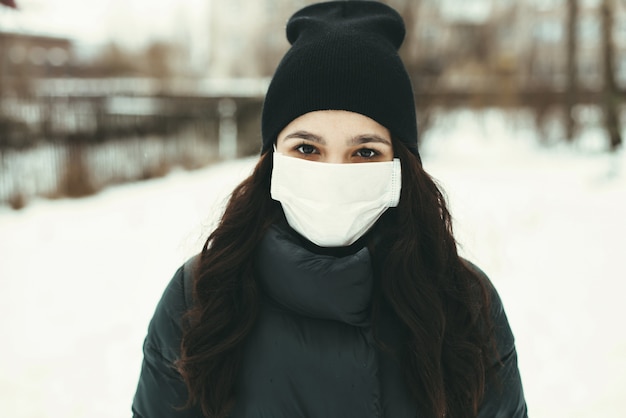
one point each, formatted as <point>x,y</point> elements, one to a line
<point>343,56</point>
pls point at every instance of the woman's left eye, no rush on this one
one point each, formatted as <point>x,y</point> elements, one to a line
<point>366,153</point>
<point>306,149</point>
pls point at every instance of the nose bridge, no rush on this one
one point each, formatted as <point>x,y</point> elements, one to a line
<point>335,153</point>
<point>335,158</point>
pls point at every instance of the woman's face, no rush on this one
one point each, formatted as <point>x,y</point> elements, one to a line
<point>335,136</point>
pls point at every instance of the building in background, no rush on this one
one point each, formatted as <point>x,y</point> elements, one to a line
<point>25,56</point>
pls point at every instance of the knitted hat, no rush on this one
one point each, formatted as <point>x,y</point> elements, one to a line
<point>343,56</point>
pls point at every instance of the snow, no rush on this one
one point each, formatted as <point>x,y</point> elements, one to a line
<point>548,226</point>
<point>79,279</point>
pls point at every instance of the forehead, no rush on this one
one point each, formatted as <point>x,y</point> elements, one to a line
<point>335,123</point>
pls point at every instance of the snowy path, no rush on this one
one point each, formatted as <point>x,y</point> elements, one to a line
<point>79,280</point>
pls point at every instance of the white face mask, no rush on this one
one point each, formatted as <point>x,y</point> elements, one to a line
<point>333,205</point>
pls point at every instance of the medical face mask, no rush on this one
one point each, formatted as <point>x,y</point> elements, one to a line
<point>333,205</point>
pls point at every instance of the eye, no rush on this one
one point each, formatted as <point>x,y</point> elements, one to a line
<point>366,153</point>
<point>306,149</point>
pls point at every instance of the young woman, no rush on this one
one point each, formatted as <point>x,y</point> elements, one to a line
<point>332,286</point>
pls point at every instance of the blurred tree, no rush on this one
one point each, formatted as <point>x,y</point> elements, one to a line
<point>610,94</point>
<point>572,69</point>
<point>409,11</point>
<point>9,3</point>
<point>76,181</point>
<point>157,60</point>
<point>114,61</point>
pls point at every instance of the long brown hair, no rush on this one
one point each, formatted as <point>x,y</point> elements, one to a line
<point>441,305</point>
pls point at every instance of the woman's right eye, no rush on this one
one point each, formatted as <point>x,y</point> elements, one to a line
<point>306,149</point>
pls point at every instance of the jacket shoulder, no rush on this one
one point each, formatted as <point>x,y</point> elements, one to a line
<point>165,329</point>
<point>161,390</point>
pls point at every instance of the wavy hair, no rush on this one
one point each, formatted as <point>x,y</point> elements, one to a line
<point>439,302</point>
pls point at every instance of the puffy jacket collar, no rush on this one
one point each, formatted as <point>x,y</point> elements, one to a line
<point>314,285</point>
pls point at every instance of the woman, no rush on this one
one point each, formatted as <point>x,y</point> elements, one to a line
<point>332,286</point>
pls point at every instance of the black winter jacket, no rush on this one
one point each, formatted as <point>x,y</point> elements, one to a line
<point>311,353</point>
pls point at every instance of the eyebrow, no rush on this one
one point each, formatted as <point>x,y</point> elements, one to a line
<point>366,138</point>
<point>306,135</point>
<point>357,140</point>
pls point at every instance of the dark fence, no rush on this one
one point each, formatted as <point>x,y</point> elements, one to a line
<point>75,139</point>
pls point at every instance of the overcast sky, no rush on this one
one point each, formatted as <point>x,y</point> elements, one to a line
<point>130,22</point>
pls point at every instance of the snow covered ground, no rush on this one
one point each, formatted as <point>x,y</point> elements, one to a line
<point>79,279</point>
